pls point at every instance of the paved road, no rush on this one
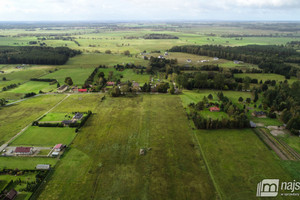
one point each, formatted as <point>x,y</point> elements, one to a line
<point>6,144</point>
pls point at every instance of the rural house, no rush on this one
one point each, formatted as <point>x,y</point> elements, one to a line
<point>12,194</point>
<point>214,109</point>
<point>58,147</point>
<point>78,116</point>
<point>62,89</point>
<point>259,114</point>
<point>24,150</point>
<point>188,60</point>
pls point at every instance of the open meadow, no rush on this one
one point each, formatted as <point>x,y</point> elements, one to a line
<point>104,158</point>
<point>238,160</point>
<point>45,137</point>
<point>14,118</point>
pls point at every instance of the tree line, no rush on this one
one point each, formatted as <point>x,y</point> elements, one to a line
<point>36,55</point>
<point>270,58</point>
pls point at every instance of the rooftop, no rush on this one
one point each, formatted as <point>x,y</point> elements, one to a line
<point>23,149</point>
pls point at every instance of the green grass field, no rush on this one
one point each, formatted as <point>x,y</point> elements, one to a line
<point>34,86</point>
<point>213,115</point>
<point>95,60</point>
<point>23,163</point>
<point>78,75</point>
<point>15,117</point>
<point>194,96</point>
<point>239,161</point>
<point>80,103</point>
<point>105,162</point>
<point>15,76</point>
<point>57,117</point>
<point>45,137</point>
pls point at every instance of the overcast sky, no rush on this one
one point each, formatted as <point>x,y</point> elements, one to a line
<point>102,10</point>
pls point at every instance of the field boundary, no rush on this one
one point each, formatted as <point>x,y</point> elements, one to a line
<point>24,129</point>
<point>283,151</point>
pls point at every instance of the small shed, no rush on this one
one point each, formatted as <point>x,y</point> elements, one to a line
<point>252,124</point>
<point>55,154</point>
<point>42,167</point>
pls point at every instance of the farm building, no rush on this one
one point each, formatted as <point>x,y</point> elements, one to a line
<point>82,90</point>
<point>42,167</point>
<point>110,83</point>
<point>12,194</point>
<point>59,147</point>
<point>166,53</point>
<point>188,60</point>
<point>214,109</point>
<point>55,154</point>
<point>259,114</point>
<point>67,122</point>
<point>23,150</point>
<point>161,57</point>
<point>62,89</point>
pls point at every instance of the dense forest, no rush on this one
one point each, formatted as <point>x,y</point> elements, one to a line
<point>36,55</point>
<point>270,58</point>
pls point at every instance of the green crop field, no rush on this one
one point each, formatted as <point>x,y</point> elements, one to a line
<point>23,163</point>
<point>239,160</point>
<point>105,155</point>
<point>78,75</point>
<point>15,117</point>
<point>45,136</point>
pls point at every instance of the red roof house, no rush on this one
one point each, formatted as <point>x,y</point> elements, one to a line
<point>23,150</point>
<point>110,83</point>
<point>58,146</point>
<point>214,109</point>
<point>82,90</point>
